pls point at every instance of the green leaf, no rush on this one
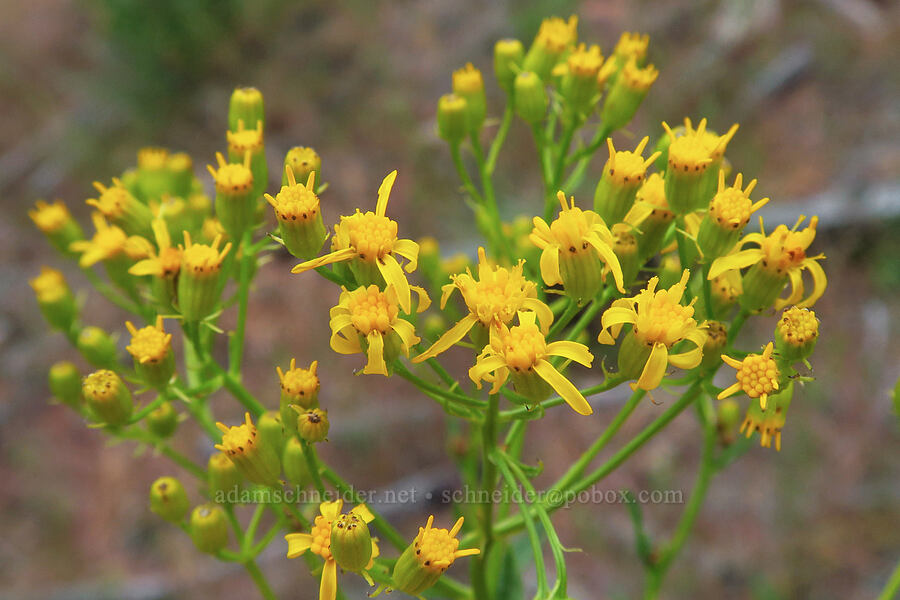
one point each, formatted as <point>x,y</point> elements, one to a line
<point>504,579</point>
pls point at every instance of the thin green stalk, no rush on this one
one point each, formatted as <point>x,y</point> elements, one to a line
<point>250,533</point>
<point>239,392</point>
<point>584,158</point>
<point>194,406</point>
<point>236,345</point>
<point>505,123</point>
<point>463,173</point>
<point>139,416</point>
<point>540,144</point>
<point>736,326</point>
<point>490,201</point>
<point>182,461</point>
<point>707,292</point>
<point>420,383</point>
<point>314,467</point>
<point>260,580</point>
<point>523,411</point>
<point>569,314</point>
<point>488,484</point>
<point>111,294</point>
<point>892,587</point>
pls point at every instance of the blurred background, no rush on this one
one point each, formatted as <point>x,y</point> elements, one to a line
<point>815,85</point>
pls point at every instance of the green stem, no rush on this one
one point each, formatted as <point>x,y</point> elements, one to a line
<point>236,347</point>
<point>260,580</point>
<point>314,467</point>
<point>239,392</point>
<point>490,201</point>
<point>250,533</point>
<point>111,294</point>
<point>521,412</point>
<point>736,326</point>
<point>569,314</point>
<point>182,461</point>
<point>892,587</point>
<point>197,410</point>
<point>501,136</point>
<point>488,484</point>
<point>463,173</point>
<point>583,157</point>
<point>420,383</point>
<point>139,416</point>
<point>707,292</point>
<point>544,157</point>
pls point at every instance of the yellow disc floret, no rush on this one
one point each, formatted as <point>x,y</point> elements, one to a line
<point>150,344</point>
<point>295,202</point>
<point>555,35</point>
<point>638,78</point>
<point>467,80</point>
<point>523,346</point>
<point>370,235</point>
<point>632,44</point>
<point>50,218</point>
<point>321,537</point>
<point>245,140</point>
<point>299,382</point>
<point>371,310</point>
<point>233,178</point>
<point>797,326</point>
<point>625,167</point>
<point>238,439</point>
<point>731,207</point>
<point>585,62</point>
<point>112,201</point>
<point>757,375</point>
<point>436,548</point>
<point>49,286</point>
<point>696,148</point>
<point>152,158</point>
<point>202,260</point>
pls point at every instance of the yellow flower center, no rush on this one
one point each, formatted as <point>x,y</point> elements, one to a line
<point>716,337</point>
<point>731,208</point>
<point>785,249</point>
<point>371,235</point>
<point>296,203</point>
<point>798,326</point>
<point>585,62</point>
<point>632,44</point>
<point>523,346</point>
<point>371,310</point>
<point>627,168</point>
<point>663,320</point>
<point>239,439</point>
<point>303,159</point>
<point>233,179</point>
<point>758,375</point>
<point>498,296</point>
<point>555,35</point>
<point>300,382</point>
<point>49,218</point>
<point>201,259</point>
<point>112,201</point>
<point>170,261</point>
<point>636,78</point>
<point>245,139</point>
<point>180,162</point>
<point>653,192</point>
<point>724,290</point>
<point>689,154</point>
<point>570,229</point>
<point>321,537</point>
<point>467,80</point>
<point>152,158</point>
<point>108,242</point>
<point>101,385</point>
<point>150,344</point>
<point>50,285</point>
<point>435,549</point>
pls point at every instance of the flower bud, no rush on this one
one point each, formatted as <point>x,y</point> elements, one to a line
<point>769,421</point>
<point>122,209</point>
<point>299,216</point>
<point>168,499</point>
<point>553,39</point>
<point>622,175</point>
<point>272,431</point>
<point>299,387</point>
<point>296,469</point>
<point>351,542</point>
<point>716,340</point>
<point>222,477</point>
<point>163,421</point>
<point>694,158</point>
<point>312,424</point>
<point>451,118</point>
<point>250,140</point>
<point>235,199</point>
<point>55,299</point>
<point>795,334</point>
<point>152,179</point>
<point>531,97</point>
<point>97,347</point>
<point>426,559</point>
<point>508,57</point>
<point>579,83</point>
<point>633,355</point>
<point>65,383</point>
<point>303,161</point>
<point>728,214</point>
<point>200,280</point>
<point>151,348</point>
<point>56,222</point>
<point>656,220</point>
<point>468,84</point>
<point>246,105</point>
<point>761,287</point>
<point>108,398</point>
<point>626,94</point>
<point>209,528</point>
<point>256,457</point>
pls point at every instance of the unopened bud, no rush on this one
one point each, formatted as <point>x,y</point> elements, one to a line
<point>209,528</point>
<point>108,398</point>
<point>168,499</point>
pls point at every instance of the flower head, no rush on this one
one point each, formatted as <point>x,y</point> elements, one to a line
<point>298,385</point>
<point>250,452</point>
<point>780,254</point>
<point>425,560</point>
<point>731,207</point>
<point>626,167</point>
<point>150,344</point>
<point>165,261</point>
<point>659,321</point>
<point>232,179</point>
<point>201,260</point>
<point>318,541</point>
<point>493,299</point>
<point>371,237</point>
<point>522,351</point>
<point>108,242</point>
<point>757,375</point>
<point>585,62</point>
<point>632,45</point>
<point>637,78</point>
<point>50,285</point>
<point>50,218</point>
<point>370,318</point>
<point>244,140</point>
<point>576,237</point>
<point>697,148</point>
<point>555,35</point>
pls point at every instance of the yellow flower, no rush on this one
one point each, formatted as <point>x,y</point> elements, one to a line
<point>731,207</point>
<point>493,300</point>
<point>780,255</point>
<point>697,148</point>
<point>50,218</point>
<point>637,78</point>
<point>253,454</point>
<point>555,35</point>
<point>369,318</point>
<point>370,240</point>
<point>659,321</point>
<point>150,344</point>
<point>425,560</point>
<point>164,262</point>
<point>318,541</point>
<point>521,352</point>
<point>632,45</point>
<point>108,242</point>
<point>119,206</point>
<point>757,376</point>
<point>585,62</point>
<point>572,248</point>
<point>50,285</point>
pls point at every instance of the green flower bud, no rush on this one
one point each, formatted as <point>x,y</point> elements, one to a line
<point>468,84</point>
<point>761,287</point>
<point>236,200</point>
<point>299,387</point>
<point>312,424</point>
<point>168,499</point>
<point>716,340</point>
<point>656,221</point>
<point>796,334</point>
<point>56,222</point>
<point>622,175</point>
<point>299,214</point>
<point>256,457</point>
<point>223,478</point>
<point>163,421</point>
<point>200,278</point>
<point>122,209</point>
<point>272,431</point>
<point>553,40</point>
<point>181,171</point>
<point>55,299</point>
<point>296,469</point>
<point>625,247</point>
<point>65,383</point>
<point>531,97</point>
<point>425,560</point>
<point>508,57</point>
<point>246,105</point>
<point>302,162</point>
<point>626,94</point>
<point>209,528</point>
<point>351,542</point>
<point>579,82</point>
<point>633,355</point>
<point>97,347</point>
<point>451,118</point>
<point>108,398</point>
<point>728,415</point>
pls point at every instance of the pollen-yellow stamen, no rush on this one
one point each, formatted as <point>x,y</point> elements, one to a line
<point>797,326</point>
<point>149,344</point>
<point>321,537</point>
<point>523,346</point>
<point>436,549</point>
<point>663,318</point>
<point>498,293</point>
<point>757,375</point>
<point>238,439</point>
<point>295,202</point>
<point>49,218</point>
<point>372,236</point>
<point>371,310</point>
<point>696,148</point>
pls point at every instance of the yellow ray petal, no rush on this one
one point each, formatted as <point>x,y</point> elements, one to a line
<point>375,353</point>
<point>328,585</point>
<point>384,193</point>
<point>738,260</point>
<point>409,250</point>
<point>565,388</point>
<point>298,543</point>
<point>571,350</point>
<point>484,366</point>
<point>451,337</point>
<point>820,282</point>
<point>550,265</point>
<point>330,258</point>
<point>655,368</point>
<point>393,276</point>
